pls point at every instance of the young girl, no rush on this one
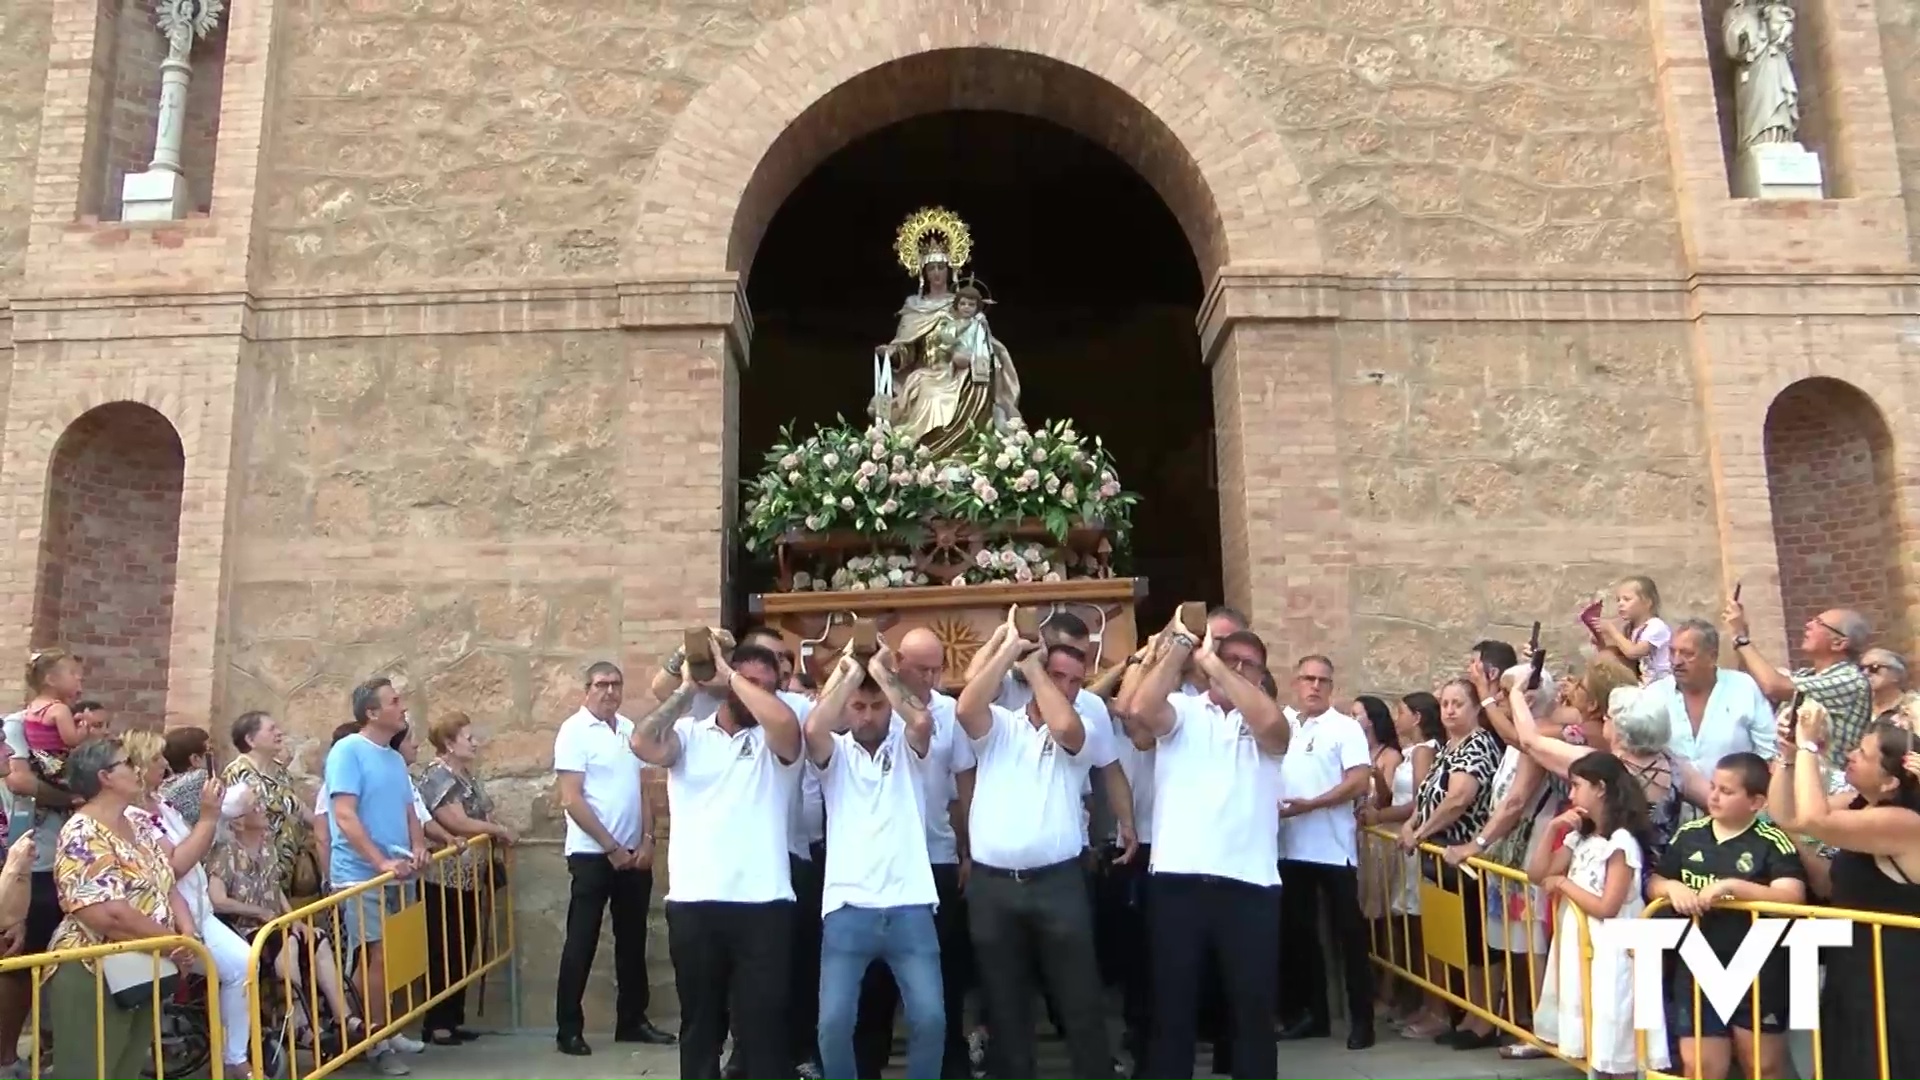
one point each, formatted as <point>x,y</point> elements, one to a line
<point>51,729</point>
<point>1598,872</point>
<point>1642,637</point>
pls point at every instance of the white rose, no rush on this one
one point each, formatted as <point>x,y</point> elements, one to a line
<point>988,495</point>
<point>1039,455</point>
<point>1021,483</point>
<point>832,459</point>
<point>889,506</point>
<point>879,452</point>
<point>1052,575</point>
<point>879,581</point>
<point>985,559</point>
<point>899,462</point>
<point>1068,493</point>
<point>860,483</point>
<point>1034,552</point>
<point>793,477</point>
<point>790,462</point>
<point>846,502</point>
<point>958,579</point>
<point>814,523</point>
<point>840,578</point>
<point>857,586</point>
<point>1053,485</point>
<point>1002,462</point>
<point>897,576</point>
<point>918,578</point>
<point>1022,574</point>
<point>802,580</point>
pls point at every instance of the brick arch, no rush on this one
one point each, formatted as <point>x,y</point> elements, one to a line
<point>109,550</point>
<point>1124,76</point>
<point>1836,530</point>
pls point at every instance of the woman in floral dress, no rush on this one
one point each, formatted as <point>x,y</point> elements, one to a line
<point>114,886</point>
<point>456,901</point>
<point>260,743</point>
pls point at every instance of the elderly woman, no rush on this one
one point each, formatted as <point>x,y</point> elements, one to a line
<point>261,745</point>
<point>453,793</point>
<point>185,846</point>
<point>115,886</point>
<point>1637,730</point>
<point>1451,807</point>
<point>246,896</point>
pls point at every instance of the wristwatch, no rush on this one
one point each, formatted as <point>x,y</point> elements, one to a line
<point>1481,842</point>
<point>1184,641</point>
<point>1490,701</point>
<point>1742,641</point>
<point>675,662</point>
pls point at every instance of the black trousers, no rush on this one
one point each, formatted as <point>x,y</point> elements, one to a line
<point>1191,917</point>
<point>880,998</point>
<point>732,960</point>
<point>1040,916</point>
<point>1303,988</point>
<point>453,932</point>
<point>1120,935</point>
<point>596,887</point>
<point>803,987</point>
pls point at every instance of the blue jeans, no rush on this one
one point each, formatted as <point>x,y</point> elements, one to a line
<point>904,938</point>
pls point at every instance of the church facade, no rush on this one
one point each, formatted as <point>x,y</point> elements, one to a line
<point>437,370</point>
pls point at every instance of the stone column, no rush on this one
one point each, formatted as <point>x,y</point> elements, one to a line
<point>160,193</point>
<point>1287,557</point>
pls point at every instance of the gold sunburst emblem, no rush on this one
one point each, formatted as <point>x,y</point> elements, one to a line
<point>958,640</point>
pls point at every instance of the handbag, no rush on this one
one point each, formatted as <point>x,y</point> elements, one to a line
<point>130,978</point>
<point>304,877</point>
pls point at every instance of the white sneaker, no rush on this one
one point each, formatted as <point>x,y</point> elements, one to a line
<point>406,1044</point>
<point>388,1063</point>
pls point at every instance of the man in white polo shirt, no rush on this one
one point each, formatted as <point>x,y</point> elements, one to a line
<point>1027,898</point>
<point>946,787</point>
<point>1215,878</point>
<point>1328,766</point>
<point>871,738</point>
<point>730,791</point>
<point>610,860</point>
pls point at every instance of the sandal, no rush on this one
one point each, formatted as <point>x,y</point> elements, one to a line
<point>1523,1051</point>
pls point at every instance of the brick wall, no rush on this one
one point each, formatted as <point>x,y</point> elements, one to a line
<point>108,555</point>
<point>1828,470</point>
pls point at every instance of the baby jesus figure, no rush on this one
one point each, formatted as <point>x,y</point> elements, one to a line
<point>972,340</point>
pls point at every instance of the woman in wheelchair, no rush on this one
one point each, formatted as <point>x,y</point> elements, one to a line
<point>246,896</point>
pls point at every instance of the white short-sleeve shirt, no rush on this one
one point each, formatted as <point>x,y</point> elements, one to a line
<point>1320,752</point>
<point>1216,796</point>
<point>876,832</point>
<point>602,754</point>
<point>950,755</point>
<point>809,824</point>
<point>732,803</point>
<point>1026,794</point>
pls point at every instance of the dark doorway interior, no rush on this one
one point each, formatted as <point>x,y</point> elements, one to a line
<point>1096,291</point>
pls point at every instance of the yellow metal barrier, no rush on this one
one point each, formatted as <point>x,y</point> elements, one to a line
<point>38,966</point>
<point>472,936</point>
<point>1880,923</point>
<point>1448,964</point>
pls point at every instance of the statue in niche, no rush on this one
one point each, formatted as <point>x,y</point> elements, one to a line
<point>1758,36</point>
<point>954,377</point>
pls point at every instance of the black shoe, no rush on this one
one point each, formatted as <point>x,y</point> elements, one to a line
<point>573,1046</point>
<point>1304,1028</point>
<point>645,1032</point>
<point>1467,1040</point>
<point>1360,1038</point>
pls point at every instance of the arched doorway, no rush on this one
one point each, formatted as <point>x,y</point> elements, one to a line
<point>1835,531</point>
<point>108,551</point>
<point>1097,289</point>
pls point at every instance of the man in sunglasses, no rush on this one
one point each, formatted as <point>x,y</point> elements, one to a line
<point>1831,643</point>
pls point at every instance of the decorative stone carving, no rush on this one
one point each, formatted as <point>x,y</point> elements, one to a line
<point>160,193</point>
<point>1769,162</point>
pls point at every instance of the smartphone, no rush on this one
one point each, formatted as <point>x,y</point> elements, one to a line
<point>1539,664</point>
<point>1533,639</point>
<point>1793,713</point>
<point>866,639</point>
<point>1193,615</point>
<point>698,641</point>
<point>1026,623</point>
<point>1736,592</point>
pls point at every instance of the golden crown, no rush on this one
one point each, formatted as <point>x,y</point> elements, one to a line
<point>932,234</point>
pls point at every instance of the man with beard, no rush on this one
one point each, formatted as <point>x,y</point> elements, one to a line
<point>731,779</point>
<point>871,741</point>
<point>1027,900</point>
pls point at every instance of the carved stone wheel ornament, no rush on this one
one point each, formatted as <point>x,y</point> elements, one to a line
<point>949,549</point>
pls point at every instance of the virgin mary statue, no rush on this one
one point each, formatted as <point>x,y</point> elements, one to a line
<point>955,377</point>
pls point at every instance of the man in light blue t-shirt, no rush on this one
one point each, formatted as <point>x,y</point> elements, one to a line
<point>373,832</point>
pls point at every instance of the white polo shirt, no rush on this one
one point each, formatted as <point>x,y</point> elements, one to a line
<point>1015,694</point>
<point>876,830</point>
<point>950,755</point>
<point>1217,796</point>
<point>1322,749</point>
<point>732,804</point>
<point>808,824</point>
<point>602,754</point>
<point>1138,766</point>
<point>1026,794</point>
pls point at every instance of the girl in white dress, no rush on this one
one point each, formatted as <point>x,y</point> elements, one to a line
<point>1598,873</point>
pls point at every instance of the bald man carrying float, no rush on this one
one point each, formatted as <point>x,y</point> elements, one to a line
<point>920,662</point>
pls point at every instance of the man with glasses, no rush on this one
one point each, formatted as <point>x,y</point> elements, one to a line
<point>610,861</point>
<point>1327,767</point>
<point>1831,643</point>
